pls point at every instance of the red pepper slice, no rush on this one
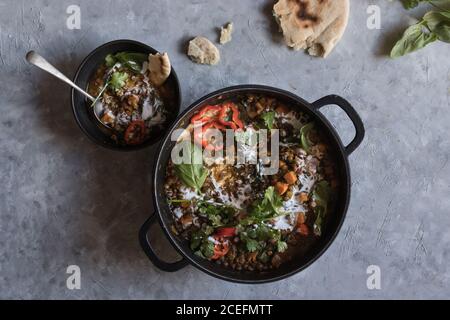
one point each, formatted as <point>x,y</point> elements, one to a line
<point>203,139</point>
<point>224,117</point>
<point>220,249</point>
<point>135,133</point>
<point>207,114</point>
<point>226,232</point>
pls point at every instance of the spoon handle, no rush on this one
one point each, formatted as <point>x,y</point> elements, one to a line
<point>40,62</point>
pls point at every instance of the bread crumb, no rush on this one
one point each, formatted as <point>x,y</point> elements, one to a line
<point>226,33</point>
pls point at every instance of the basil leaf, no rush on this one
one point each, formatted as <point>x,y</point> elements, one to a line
<point>322,197</point>
<point>304,136</point>
<point>439,23</point>
<point>409,4</point>
<point>132,60</point>
<point>415,37</point>
<point>269,119</point>
<point>191,174</point>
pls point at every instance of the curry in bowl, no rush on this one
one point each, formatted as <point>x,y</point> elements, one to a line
<point>234,215</point>
<point>135,103</point>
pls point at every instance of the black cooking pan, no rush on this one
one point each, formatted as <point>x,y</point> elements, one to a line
<point>334,221</point>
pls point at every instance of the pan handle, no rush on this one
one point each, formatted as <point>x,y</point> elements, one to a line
<point>147,247</point>
<point>351,113</point>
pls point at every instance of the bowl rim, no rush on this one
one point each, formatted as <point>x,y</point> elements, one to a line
<point>345,164</point>
<point>147,144</point>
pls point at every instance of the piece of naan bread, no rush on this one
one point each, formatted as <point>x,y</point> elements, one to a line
<point>159,68</point>
<point>203,51</point>
<point>314,25</point>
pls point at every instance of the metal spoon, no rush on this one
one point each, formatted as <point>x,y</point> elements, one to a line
<point>37,60</point>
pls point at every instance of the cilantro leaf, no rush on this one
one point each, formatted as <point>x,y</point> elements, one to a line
<point>207,249</point>
<point>118,80</point>
<point>269,119</point>
<point>251,245</point>
<point>282,246</point>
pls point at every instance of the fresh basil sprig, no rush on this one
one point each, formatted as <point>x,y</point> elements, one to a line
<point>415,37</point>
<point>305,131</point>
<point>131,60</point>
<point>435,25</point>
<point>409,4</point>
<point>192,174</point>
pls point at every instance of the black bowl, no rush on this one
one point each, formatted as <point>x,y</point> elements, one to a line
<point>86,119</point>
<point>331,228</point>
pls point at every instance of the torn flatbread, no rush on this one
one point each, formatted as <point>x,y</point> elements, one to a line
<point>203,51</point>
<point>159,67</point>
<point>314,25</point>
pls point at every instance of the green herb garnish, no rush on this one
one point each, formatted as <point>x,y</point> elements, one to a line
<point>409,4</point>
<point>305,140</point>
<point>435,25</point>
<point>192,174</point>
<point>321,196</point>
<point>131,60</point>
<point>269,119</point>
<point>118,80</point>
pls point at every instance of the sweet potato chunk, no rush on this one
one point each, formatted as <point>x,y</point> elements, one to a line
<point>281,188</point>
<point>290,177</point>
<point>304,197</point>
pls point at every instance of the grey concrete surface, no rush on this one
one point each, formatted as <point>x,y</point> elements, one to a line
<point>65,201</point>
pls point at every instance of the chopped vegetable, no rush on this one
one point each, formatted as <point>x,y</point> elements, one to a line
<point>291,177</point>
<point>203,137</point>
<point>303,230</point>
<point>135,133</point>
<point>281,188</point>
<point>226,232</point>
<point>118,80</point>
<point>207,114</point>
<point>269,119</point>
<point>304,197</point>
<point>229,116</point>
<point>221,248</point>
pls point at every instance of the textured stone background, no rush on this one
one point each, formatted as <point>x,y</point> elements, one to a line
<point>63,200</point>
